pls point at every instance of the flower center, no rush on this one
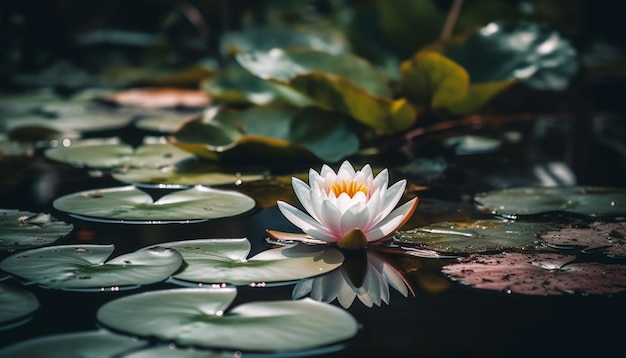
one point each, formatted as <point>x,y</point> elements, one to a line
<point>350,188</point>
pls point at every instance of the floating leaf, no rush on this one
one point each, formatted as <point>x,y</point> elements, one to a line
<point>474,236</point>
<point>478,94</point>
<point>15,303</point>
<point>128,204</point>
<point>430,80</point>
<point>77,344</point>
<point>226,261</point>
<point>22,229</point>
<point>90,121</point>
<point>190,172</point>
<point>472,144</point>
<point>539,274</point>
<point>110,155</point>
<point>524,51</point>
<point>591,201</point>
<point>269,134</point>
<point>161,124</point>
<point>86,266</point>
<point>160,97</point>
<point>170,351</point>
<point>610,237</point>
<point>200,317</point>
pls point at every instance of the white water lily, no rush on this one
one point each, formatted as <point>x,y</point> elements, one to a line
<point>349,208</point>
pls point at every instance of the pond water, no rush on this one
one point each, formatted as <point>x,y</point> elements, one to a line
<point>439,318</point>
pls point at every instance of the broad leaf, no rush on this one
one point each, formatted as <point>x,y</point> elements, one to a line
<point>15,303</point>
<point>478,95</point>
<point>201,317</point>
<point>539,274</point>
<point>269,134</point>
<point>474,236</point>
<point>74,345</point>
<point>226,261</point>
<point>430,80</point>
<point>88,267</point>
<point>22,229</point>
<point>128,204</point>
<point>591,201</point>
<point>609,237</point>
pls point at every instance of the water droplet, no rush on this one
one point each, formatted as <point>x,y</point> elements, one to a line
<point>613,203</point>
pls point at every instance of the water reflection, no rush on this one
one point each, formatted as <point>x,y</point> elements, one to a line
<point>364,274</point>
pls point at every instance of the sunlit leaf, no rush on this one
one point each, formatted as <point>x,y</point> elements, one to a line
<point>226,261</point>
<point>124,76</point>
<point>74,345</point>
<point>474,236</point>
<point>610,237</point>
<point>88,267</point>
<point>110,155</point>
<point>171,351</point>
<point>591,201</point>
<point>128,204</point>
<point>161,124</point>
<point>524,51</point>
<point>430,80</point>
<point>91,121</point>
<point>15,303</point>
<point>478,95</point>
<point>472,144</point>
<point>22,229</point>
<point>539,274</point>
<point>190,172</point>
<point>269,134</point>
<point>201,317</point>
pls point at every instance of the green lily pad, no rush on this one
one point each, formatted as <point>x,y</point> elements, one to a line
<point>342,83</point>
<point>173,352</point>
<point>166,124</point>
<point>16,303</point>
<point>201,317</point>
<point>22,229</point>
<point>474,236</point>
<point>226,261</point>
<point>269,134</point>
<point>90,121</point>
<point>431,80</point>
<point>127,204</point>
<point>478,95</point>
<point>74,345</point>
<point>190,172</point>
<point>581,200</point>
<point>110,155</point>
<point>86,266</point>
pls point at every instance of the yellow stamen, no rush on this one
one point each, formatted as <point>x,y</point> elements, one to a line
<point>350,188</point>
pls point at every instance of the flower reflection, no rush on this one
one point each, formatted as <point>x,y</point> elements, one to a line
<point>364,274</point>
<point>348,208</point>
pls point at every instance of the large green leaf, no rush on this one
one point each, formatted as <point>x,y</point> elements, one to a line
<point>592,201</point>
<point>201,317</point>
<point>74,345</point>
<point>86,266</point>
<point>226,261</point>
<point>269,134</point>
<point>430,80</point>
<point>22,229</point>
<point>110,155</point>
<point>478,94</point>
<point>127,204</point>
<point>475,236</point>
<point>15,303</point>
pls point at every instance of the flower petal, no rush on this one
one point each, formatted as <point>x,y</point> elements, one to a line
<point>299,218</point>
<point>303,193</point>
<point>393,222</point>
<point>391,198</point>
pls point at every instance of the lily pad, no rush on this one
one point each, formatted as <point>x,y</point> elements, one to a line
<point>16,303</point>
<point>431,80</point>
<point>342,83</point>
<point>201,317</point>
<point>523,51</point>
<point>109,155</point>
<point>74,345</point>
<point>127,204</point>
<point>23,230</point>
<point>165,124</point>
<point>90,121</point>
<point>538,274</point>
<point>610,237</point>
<point>190,172</point>
<point>269,134</point>
<point>590,201</point>
<point>474,236</point>
<point>86,266</point>
<point>226,261</point>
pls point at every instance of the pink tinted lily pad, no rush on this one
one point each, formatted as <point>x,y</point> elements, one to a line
<point>610,237</point>
<point>538,274</point>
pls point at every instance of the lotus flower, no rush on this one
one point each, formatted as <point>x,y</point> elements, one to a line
<point>348,208</point>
